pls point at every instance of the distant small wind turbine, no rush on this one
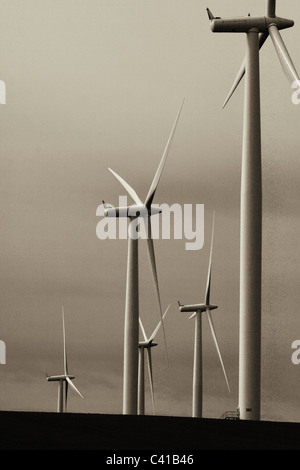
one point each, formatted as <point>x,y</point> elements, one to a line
<point>66,378</point>
<point>147,344</point>
<point>131,334</point>
<point>197,310</point>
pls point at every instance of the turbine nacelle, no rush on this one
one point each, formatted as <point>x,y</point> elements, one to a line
<point>60,378</point>
<point>147,344</point>
<point>131,212</point>
<point>196,308</point>
<point>245,24</point>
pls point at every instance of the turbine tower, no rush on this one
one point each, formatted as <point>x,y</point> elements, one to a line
<point>197,310</point>
<point>147,345</point>
<point>66,378</point>
<point>257,30</point>
<point>131,329</point>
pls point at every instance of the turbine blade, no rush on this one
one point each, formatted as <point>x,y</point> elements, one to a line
<point>128,188</point>
<point>193,316</point>
<point>283,55</point>
<point>262,39</point>
<point>155,278</point>
<point>210,15</point>
<point>153,187</point>
<point>271,8</point>
<point>58,399</point>
<point>236,83</point>
<point>66,396</point>
<point>207,293</point>
<point>149,358</point>
<point>152,337</point>
<point>212,329</point>
<point>66,372</point>
<point>69,381</point>
<point>143,330</point>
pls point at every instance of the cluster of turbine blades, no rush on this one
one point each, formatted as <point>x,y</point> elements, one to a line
<point>148,346</point>
<point>145,210</point>
<point>280,48</point>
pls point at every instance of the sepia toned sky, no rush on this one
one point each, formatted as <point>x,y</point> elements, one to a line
<point>97,84</point>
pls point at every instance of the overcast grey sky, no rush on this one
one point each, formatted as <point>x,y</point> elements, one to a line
<point>97,84</point>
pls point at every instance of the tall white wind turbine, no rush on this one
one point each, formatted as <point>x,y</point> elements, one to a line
<point>257,30</point>
<point>63,380</point>
<point>197,310</point>
<point>147,345</point>
<point>131,334</point>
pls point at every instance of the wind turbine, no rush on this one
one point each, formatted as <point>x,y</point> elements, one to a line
<point>147,345</point>
<point>131,331</point>
<point>197,310</point>
<point>257,30</point>
<point>66,378</point>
